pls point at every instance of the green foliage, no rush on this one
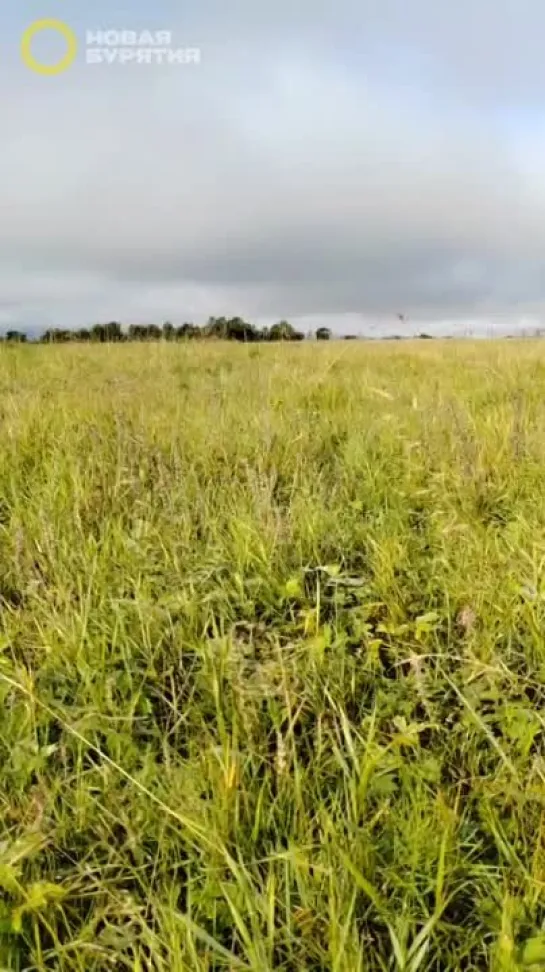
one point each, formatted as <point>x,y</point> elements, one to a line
<point>16,337</point>
<point>219,328</point>
<point>284,331</point>
<point>272,678</point>
<point>323,334</point>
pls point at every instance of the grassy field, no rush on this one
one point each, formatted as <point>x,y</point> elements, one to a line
<point>272,657</point>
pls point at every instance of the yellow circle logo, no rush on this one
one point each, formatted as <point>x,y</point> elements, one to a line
<point>61,28</point>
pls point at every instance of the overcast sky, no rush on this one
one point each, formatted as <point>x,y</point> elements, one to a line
<point>329,161</point>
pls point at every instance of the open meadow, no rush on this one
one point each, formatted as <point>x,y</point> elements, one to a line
<point>272,657</point>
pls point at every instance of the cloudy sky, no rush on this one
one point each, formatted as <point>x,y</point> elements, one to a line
<point>329,161</point>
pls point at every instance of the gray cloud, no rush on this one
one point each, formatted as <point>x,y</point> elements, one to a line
<point>345,162</point>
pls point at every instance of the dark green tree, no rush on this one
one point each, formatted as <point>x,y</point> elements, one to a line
<point>283,331</point>
<point>187,331</point>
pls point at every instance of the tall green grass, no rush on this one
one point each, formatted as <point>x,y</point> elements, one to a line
<point>272,657</point>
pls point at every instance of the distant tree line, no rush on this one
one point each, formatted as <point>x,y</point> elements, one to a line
<point>16,337</point>
<point>219,328</point>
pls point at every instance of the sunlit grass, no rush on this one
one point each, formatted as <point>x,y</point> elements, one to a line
<point>272,667</point>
